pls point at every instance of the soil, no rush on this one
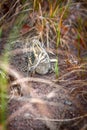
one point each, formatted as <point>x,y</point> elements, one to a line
<point>47,102</point>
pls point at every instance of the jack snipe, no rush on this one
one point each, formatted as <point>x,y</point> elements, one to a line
<point>39,60</point>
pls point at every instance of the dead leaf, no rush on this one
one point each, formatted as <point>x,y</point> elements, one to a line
<point>25,28</point>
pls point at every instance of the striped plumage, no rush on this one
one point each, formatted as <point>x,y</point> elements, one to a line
<point>39,60</point>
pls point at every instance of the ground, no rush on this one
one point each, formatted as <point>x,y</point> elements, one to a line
<point>47,102</point>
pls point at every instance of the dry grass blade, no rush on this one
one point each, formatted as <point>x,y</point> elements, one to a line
<point>29,79</point>
<point>64,120</point>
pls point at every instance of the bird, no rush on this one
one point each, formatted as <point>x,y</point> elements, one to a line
<point>38,58</point>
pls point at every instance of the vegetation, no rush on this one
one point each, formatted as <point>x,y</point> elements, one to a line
<point>52,22</point>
